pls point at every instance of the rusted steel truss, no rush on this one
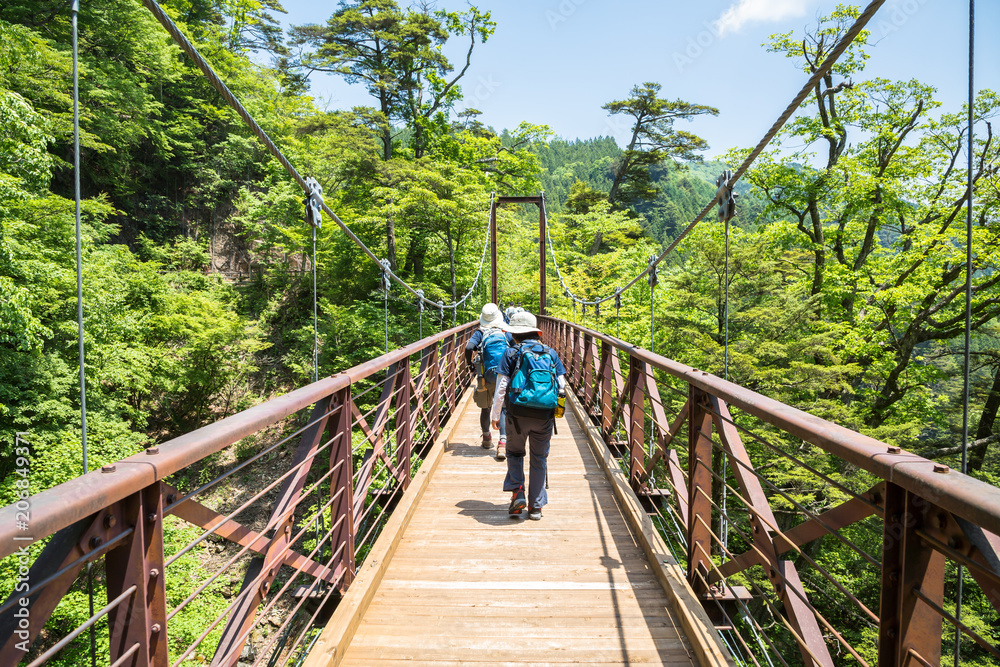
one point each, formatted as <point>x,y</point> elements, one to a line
<point>116,515</point>
<point>928,514</point>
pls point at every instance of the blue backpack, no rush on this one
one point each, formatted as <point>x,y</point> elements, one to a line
<point>533,383</point>
<point>492,347</point>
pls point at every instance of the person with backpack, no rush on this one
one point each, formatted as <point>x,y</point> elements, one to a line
<point>531,380</point>
<point>488,343</point>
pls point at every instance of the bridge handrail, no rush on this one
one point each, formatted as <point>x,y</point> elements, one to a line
<point>78,498</point>
<point>972,499</point>
<point>350,462</point>
<point>914,521</point>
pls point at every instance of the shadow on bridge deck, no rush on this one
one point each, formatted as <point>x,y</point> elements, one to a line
<point>468,584</point>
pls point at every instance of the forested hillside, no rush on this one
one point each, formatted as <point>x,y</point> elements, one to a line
<point>846,281</point>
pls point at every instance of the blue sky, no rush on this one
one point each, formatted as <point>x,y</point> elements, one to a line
<point>555,62</point>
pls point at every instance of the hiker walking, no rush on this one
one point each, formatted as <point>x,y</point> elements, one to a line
<point>488,343</point>
<point>531,384</point>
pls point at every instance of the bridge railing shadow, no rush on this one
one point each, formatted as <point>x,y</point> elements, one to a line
<point>233,542</point>
<point>808,543</point>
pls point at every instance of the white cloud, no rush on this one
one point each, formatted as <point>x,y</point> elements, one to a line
<point>742,12</point>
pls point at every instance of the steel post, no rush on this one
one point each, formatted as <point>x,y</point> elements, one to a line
<point>404,427</point>
<point>541,253</point>
<point>699,503</point>
<point>142,617</point>
<point>908,624</point>
<point>493,248</point>
<point>636,398</point>
<point>342,483</point>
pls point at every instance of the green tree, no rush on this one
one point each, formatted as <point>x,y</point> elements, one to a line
<point>653,139</point>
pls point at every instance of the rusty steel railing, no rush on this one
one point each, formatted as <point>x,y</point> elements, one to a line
<point>273,529</point>
<point>755,505</point>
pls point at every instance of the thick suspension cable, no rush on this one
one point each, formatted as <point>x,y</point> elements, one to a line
<point>272,148</point>
<point>809,87</point>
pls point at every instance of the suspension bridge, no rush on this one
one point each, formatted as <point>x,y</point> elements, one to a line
<point>371,529</point>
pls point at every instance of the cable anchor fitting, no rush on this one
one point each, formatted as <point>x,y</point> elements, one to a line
<point>386,279</point>
<point>314,203</point>
<point>727,198</point>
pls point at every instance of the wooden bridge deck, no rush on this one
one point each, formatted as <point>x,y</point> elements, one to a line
<point>469,585</point>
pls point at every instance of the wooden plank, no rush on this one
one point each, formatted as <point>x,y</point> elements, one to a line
<point>337,634</point>
<point>698,626</point>
<point>469,585</point>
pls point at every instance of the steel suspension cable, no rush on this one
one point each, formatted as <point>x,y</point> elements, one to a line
<point>315,315</point>
<point>75,10</point>
<point>821,71</point>
<point>272,148</point>
<point>724,520</point>
<point>966,380</point>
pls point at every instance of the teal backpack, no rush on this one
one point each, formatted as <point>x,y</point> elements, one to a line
<point>491,350</point>
<point>533,383</point>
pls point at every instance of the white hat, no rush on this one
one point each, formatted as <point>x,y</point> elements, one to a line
<point>491,317</point>
<point>522,322</point>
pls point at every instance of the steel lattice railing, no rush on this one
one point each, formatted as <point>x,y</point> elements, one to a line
<point>322,492</point>
<point>754,542</point>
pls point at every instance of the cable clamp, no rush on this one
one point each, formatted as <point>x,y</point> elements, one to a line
<point>420,301</point>
<point>386,272</point>
<point>727,198</point>
<point>597,311</point>
<point>441,310</point>
<point>583,313</point>
<point>653,271</point>
<point>618,298</point>
<point>314,203</point>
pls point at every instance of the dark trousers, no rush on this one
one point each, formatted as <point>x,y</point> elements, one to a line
<point>536,433</point>
<point>484,414</point>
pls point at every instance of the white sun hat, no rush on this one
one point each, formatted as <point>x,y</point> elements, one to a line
<point>523,322</point>
<point>491,317</point>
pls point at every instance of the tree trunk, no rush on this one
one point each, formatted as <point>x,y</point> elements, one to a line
<point>451,260</point>
<point>414,264</point>
<point>986,421</point>
<point>390,241</point>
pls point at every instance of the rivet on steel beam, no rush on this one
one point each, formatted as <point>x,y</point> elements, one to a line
<point>891,632</point>
<point>894,450</point>
<point>955,543</point>
<point>942,521</point>
<point>151,517</point>
<point>942,468</point>
<point>152,450</point>
<point>171,498</point>
<point>288,530</point>
<point>894,575</point>
<point>154,573</point>
<point>95,542</point>
<point>877,498</point>
<point>110,520</point>
<point>108,468</point>
<point>155,628</point>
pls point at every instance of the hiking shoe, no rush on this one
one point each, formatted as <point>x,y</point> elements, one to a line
<point>517,502</point>
<point>487,440</point>
<point>535,513</point>
<point>502,449</point>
